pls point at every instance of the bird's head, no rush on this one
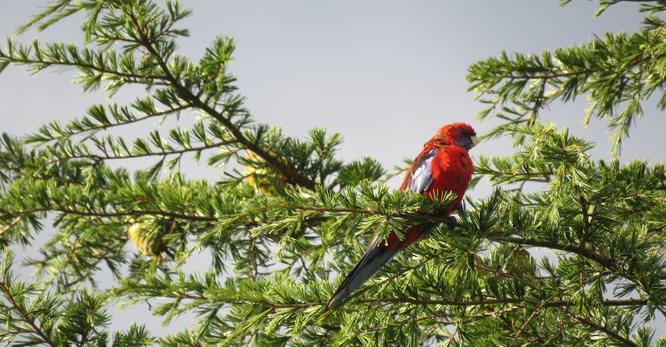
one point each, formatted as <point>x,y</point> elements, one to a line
<point>461,134</point>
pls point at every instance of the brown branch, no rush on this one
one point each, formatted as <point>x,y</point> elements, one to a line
<point>11,224</point>
<point>585,229</point>
<point>585,252</point>
<point>448,220</point>
<point>625,340</point>
<point>632,302</point>
<point>105,156</point>
<point>202,218</point>
<point>495,301</point>
<point>549,74</point>
<point>531,317</point>
<point>25,317</point>
<point>291,174</point>
<point>135,120</point>
<point>136,78</point>
<point>608,263</point>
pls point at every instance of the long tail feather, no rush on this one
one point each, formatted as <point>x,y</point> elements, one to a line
<point>378,254</point>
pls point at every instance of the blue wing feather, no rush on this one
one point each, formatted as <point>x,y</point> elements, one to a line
<point>421,176</point>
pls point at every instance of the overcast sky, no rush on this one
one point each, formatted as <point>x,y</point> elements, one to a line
<point>385,74</point>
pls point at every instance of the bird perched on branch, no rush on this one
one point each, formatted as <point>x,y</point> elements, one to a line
<point>443,166</point>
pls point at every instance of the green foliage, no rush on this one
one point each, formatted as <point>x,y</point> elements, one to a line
<point>281,231</point>
<point>33,316</point>
<point>617,73</point>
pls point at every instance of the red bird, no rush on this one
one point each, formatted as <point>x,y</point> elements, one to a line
<point>442,166</point>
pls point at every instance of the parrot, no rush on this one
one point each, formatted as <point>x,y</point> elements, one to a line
<point>443,166</point>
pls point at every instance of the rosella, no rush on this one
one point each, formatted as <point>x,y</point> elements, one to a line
<point>442,166</point>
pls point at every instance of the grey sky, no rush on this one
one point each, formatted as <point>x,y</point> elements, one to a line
<point>385,74</point>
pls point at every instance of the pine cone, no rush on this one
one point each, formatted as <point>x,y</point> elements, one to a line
<point>147,237</point>
<point>263,179</point>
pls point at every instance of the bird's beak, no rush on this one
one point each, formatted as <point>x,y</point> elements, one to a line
<point>475,141</point>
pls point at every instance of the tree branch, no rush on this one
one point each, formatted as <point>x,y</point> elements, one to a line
<point>130,77</point>
<point>105,156</point>
<point>625,340</point>
<point>104,214</point>
<point>291,174</point>
<point>25,317</point>
<point>585,252</point>
<point>135,120</point>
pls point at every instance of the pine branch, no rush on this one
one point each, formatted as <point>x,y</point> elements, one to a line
<point>97,158</point>
<point>76,128</point>
<point>606,330</point>
<point>24,315</point>
<point>291,174</point>
<point>497,301</point>
<point>20,55</point>
<point>616,72</point>
<point>106,214</point>
<point>584,252</point>
<point>6,228</point>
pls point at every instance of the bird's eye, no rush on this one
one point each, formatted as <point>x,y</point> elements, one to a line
<point>467,132</point>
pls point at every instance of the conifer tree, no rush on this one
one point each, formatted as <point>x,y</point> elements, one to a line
<point>281,231</point>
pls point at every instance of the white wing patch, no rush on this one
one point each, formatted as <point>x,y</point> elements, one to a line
<point>421,176</point>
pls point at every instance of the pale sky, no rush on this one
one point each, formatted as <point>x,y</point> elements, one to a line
<point>385,74</point>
